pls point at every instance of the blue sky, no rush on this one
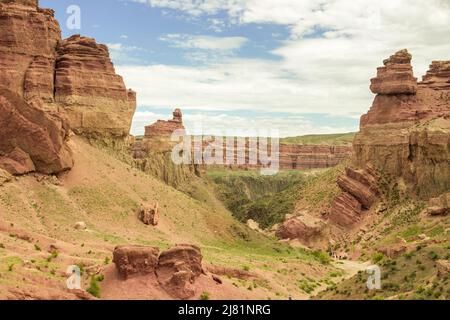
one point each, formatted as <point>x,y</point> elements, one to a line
<point>300,67</point>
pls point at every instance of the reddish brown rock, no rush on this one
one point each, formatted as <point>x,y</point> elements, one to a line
<point>393,251</point>
<point>17,162</point>
<point>439,206</point>
<point>135,260</point>
<point>396,77</point>
<point>360,191</point>
<point>346,210</point>
<point>305,229</point>
<point>41,135</point>
<point>407,135</point>
<point>178,268</point>
<point>90,93</point>
<point>438,77</point>
<point>361,184</point>
<point>29,39</point>
<point>149,215</point>
<point>165,128</point>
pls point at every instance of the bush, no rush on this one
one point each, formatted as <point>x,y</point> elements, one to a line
<point>205,296</point>
<point>94,287</point>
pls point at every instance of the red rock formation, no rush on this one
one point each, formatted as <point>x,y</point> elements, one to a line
<point>135,260</point>
<point>360,191</point>
<point>27,48</point>
<point>396,77</point>
<point>407,135</point>
<point>41,136</point>
<point>149,214</point>
<point>438,77</point>
<point>305,229</point>
<point>91,94</point>
<point>346,210</point>
<point>178,268</point>
<point>17,162</point>
<point>163,128</point>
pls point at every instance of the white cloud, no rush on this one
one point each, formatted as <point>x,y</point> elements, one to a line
<point>187,41</point>
<point>219,124</point>
<point>122,54</point>
<point>325,66</point>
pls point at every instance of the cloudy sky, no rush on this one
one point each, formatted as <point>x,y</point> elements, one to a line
<point>299,66</point>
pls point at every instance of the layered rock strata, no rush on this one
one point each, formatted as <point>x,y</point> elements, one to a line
<point>176,269</point>
<point>48,85</point>
<point>89,92</point>
<point>406,134</point>
<point>359,192</point>
<point>32,139</point>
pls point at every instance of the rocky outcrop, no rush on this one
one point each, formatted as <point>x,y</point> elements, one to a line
<point>438,77</point>
<point>149,215</point>
<point>135,260</point>
<point>28,44</point>
<point>407,135</point>
<point>346,210</point>
<point>396,77</point>
<point>439,206</point>
<point>165,127</point>
<point>359,192</point>
<point>304,228</point>
<point>176,269</point>
<point>85,86</point>
<point>89,92</point>
<point>32,139</point>
<point>304,157</point>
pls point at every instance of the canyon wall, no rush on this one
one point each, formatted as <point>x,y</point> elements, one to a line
<point>405,136</point>
<point>49,86</point>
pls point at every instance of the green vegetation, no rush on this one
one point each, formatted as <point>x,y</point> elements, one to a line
<point>340,139</point>
<point>94,286</point>
<point>205,296</point>
<point>265,199</point>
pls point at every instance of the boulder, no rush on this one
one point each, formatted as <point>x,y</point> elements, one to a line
<point>303,228</point>
<point>131,260</point>
<point>29,132</point>
<point>149,215</point>
<point>443,268</point>
<point>439,206</point>
<point>80,225</point>
<point>178,268</point>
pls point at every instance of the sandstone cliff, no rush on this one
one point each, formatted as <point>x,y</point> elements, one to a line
<point>48,85</point>
<point>89,92</point>
<point>405,136</point>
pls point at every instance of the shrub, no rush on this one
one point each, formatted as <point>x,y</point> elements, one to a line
<point>205,296</point>
<point>94,288</point>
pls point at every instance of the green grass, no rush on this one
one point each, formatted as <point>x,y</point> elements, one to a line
<point>340,139</point>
